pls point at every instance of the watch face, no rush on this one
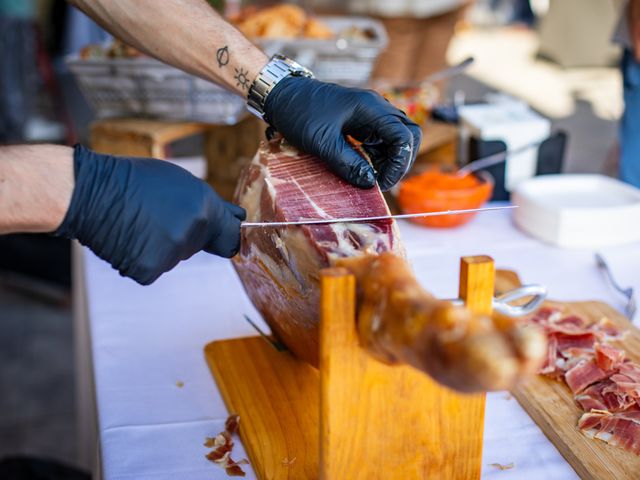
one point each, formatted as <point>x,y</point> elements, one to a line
<point>259,90</point>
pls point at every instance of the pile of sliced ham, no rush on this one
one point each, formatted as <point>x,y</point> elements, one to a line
<point>605,384</point>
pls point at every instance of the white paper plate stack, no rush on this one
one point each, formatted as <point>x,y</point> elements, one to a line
<point>578,210</point>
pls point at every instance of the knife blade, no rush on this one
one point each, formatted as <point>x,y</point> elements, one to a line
<point>326,221</point>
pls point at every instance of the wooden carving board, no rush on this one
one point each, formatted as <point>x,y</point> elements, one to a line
<point>278,400</point>
<point>550,403</point>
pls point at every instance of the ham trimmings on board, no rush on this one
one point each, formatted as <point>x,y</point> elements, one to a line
<point>605,384</point>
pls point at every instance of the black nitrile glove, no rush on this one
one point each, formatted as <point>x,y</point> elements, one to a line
<point>143,215</point>
<point>315,116</point>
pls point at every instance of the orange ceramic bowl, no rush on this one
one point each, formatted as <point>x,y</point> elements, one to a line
<point>435,191</point>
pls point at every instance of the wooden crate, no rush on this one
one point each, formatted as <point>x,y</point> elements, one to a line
<point>439,145</point>
<point>228,149</point>
<point>137,137</point>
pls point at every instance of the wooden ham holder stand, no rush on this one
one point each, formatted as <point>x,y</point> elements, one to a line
<point>354,417</point>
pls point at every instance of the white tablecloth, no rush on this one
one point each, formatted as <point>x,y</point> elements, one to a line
<point>146,339</point>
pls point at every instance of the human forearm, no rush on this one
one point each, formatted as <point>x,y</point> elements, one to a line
<point>143,215</point>
<point>36,183</point>
<point>187,34</point>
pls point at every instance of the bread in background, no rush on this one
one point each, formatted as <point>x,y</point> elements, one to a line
<point>280,21</point>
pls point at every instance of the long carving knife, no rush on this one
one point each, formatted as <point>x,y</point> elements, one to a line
<point>327,221</point>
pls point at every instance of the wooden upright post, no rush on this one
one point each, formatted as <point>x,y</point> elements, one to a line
<point>477,281</point>
<point>386,422</point>
<point>140,137</point>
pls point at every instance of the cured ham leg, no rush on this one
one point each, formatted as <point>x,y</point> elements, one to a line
<point>398,322</point>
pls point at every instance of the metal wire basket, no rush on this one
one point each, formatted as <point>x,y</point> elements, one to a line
<point>146,87</point>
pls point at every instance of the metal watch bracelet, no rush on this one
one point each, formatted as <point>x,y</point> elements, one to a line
<point>279,67</point>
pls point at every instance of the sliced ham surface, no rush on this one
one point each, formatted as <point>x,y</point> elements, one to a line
<point>626,384</point>
<point>631,370</point>
<point>279,267</point>
<point>583,340</point>
<point>592,398</point>
<point>618,429</point>
<point>569,325</point>
<point>545,316</point>
<point>550,365</point>
<point>608,331</point>
<point>584,374</point>
<point>608,357</point>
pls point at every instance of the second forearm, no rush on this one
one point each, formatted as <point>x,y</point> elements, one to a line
<point>36,184</point>
<point>187,34</point>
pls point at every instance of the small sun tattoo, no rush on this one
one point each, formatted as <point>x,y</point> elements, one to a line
<point>241,78</point>
<point>222,55</point>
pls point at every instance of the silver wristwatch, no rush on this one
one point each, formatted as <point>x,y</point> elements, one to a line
<point>279,67</point>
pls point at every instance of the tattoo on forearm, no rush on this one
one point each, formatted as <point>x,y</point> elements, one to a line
<point>241,78</point>
<point>222,55</point>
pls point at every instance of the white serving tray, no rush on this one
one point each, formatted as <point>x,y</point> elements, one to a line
<point>578,210</point>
